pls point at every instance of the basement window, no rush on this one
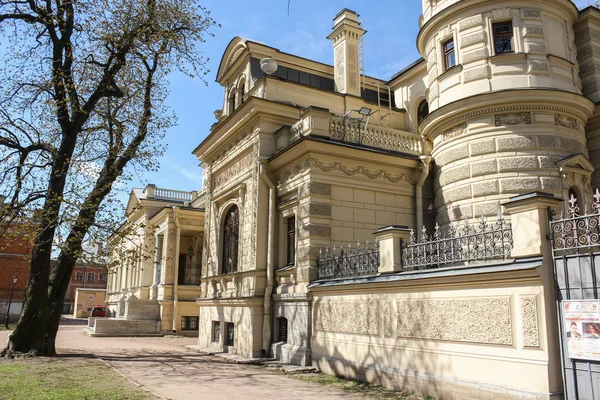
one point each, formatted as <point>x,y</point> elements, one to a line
<point>282,329</point>
<point>216,331</point>
<point>229,339</point>
<point>189,323</point>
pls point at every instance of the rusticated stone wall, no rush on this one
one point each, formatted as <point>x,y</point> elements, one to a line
<point>496,155</point>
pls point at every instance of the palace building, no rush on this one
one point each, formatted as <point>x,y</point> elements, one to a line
<point>306,156</point>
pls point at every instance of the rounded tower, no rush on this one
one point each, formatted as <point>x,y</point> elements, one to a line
<point>506,111</point>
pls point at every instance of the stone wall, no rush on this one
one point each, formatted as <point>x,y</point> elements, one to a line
<point>463,337</point>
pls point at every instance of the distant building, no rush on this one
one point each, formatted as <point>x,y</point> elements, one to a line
<point>15,256</point>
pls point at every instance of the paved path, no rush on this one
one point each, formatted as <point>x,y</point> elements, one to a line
<point>167,368</point>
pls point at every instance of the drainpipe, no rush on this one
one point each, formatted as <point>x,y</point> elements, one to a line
<point>176,269</point>
<point>425,159</point>
<point>270,256</point>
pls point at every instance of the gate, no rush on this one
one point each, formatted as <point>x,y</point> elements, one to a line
<point>576,259</point>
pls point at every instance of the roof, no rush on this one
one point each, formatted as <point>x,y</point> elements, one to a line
<point>406,69</point>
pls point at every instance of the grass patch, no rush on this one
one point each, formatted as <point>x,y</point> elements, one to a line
<point>10,327</point>
<point>65,378</point>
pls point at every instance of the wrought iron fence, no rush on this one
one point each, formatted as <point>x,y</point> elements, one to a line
<point>348,261</point>
<point>576,232</point>
<point>459,245</point>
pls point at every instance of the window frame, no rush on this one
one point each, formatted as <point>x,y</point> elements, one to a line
<point>216,331</point>
<point>93,275</point>
<point>101,278</point>
<point>291,240</point>
<point>446,53</point>
<point>231,240</point>
<point>510,33</point>
<point>77,274</point>
<point>421,117</point>
<point>188,322</point>
<point>229,340</point>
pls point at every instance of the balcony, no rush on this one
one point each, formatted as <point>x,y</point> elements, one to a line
<point>320,122</point>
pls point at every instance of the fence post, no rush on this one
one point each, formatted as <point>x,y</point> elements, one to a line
<point>390,251</point>
<point>529,221</point>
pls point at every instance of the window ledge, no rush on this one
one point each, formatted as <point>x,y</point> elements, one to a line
<point>450,72</point>
<point>507,58</point>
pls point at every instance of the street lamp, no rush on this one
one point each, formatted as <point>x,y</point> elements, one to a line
<point>14,281</point>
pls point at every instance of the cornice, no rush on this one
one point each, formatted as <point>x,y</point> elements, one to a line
<point>507,101</point>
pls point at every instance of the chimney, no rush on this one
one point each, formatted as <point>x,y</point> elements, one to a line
<point>346,41</point>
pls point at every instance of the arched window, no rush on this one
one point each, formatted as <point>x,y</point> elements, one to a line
<point>231,230</point>
<point>231,101</point>
<point>240,94</point>
<point>422,111</point>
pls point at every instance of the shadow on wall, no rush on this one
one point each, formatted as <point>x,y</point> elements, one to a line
<point>384,357</point>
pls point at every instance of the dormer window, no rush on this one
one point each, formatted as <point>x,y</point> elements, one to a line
<point>503,37</point>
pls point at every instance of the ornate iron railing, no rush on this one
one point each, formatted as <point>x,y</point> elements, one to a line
<point>576,232</point>
<point>459,245</point>
<point>348,261</point>
<point>375,136</point>
<point>191,274</point>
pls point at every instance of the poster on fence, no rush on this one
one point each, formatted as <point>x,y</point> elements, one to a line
<point>582,328</point>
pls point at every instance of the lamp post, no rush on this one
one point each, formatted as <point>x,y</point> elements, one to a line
<point>14,282</point>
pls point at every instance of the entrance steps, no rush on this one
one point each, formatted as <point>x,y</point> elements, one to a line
<point>122,327</point>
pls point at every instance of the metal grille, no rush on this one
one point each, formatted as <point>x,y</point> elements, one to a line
<point>349,261</point>
<point>216,331</point>
<point>230,334</point>
<point>459,245</point>
<point>576,257</point>
<point>282,329</point>
<point>191,274</point>
<point>189,323</point>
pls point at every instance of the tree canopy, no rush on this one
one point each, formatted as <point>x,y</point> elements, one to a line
<point>82,107</point>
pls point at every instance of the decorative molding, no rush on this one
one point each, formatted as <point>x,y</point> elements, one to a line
<point>531,13</point>
<point>339,69</point>
<point>470,22</point>
<point>453,132</point>
<point>512,119</point>
<point>529,316</point>
<point>255,181</point>
<point>190,221</point>
<point>352,67</point>
<point>501,13</point>
<point>566,122</point>
<point>357,317</point>
<point>239,167</point>
<point>335,166</point>
<point>388,329</point>
<point>501,109</point>
<point>477,319</point>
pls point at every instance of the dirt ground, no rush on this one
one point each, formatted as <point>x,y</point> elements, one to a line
<point>165,367</point>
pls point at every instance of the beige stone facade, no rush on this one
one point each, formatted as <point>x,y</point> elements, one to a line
<point>305,156</point>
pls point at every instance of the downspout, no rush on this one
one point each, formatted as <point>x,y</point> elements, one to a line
<point>176,267</point>
<point>270,257</point>
<point>425,159</point>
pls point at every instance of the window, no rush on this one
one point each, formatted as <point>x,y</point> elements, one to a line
<point>291,241</point>
<point>189,272</point>
<point>79,276</point>
<point>422,111</point>
<point>90,277</point>
<point>282,329</point>
<point>101,278</point>
<point>189,323</point>
<point>216,331</point>
<point>230,334</point>
<point>230,240</point>
<point>503,37</point>
<point>449,54</point>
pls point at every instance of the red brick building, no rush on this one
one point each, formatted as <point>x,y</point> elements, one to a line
<point>15,256</point>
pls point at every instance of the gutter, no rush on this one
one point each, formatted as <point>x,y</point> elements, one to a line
<point>176,267</point>
<point>267,328</point>
<point>426,160</point>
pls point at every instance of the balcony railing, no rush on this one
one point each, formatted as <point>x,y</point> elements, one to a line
<point>374,136</point>
<point>168,194</point>
<point>191,274</point>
